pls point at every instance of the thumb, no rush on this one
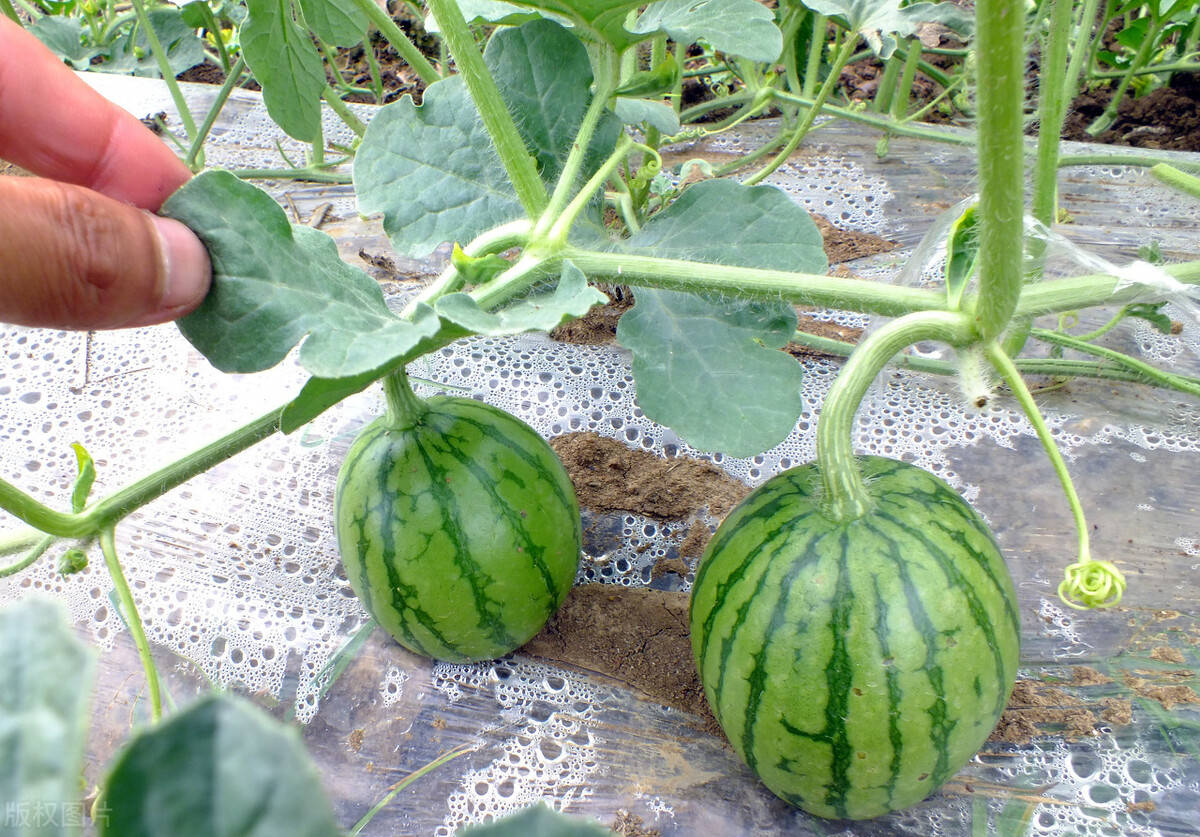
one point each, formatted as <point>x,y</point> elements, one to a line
<point>73,258</point>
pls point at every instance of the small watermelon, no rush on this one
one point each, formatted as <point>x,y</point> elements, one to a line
<point>460,533</point>
<point>855,666</point>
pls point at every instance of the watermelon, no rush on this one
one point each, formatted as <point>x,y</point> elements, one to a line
<point>855,666</point>
<point>458,529</point>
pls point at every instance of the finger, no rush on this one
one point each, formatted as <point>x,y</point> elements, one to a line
<point>54,125</point>
<point>73,258</point>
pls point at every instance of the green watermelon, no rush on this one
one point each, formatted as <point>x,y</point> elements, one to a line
<point>855,666</point>
<point>460,533</point>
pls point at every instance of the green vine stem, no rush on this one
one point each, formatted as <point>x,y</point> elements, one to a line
<point>1148,372</point>
<point>395,36</point>
<point>801,130</point>
<point>404,408</point>
<point>164,67</point>
<point>496,240</point>
<point>844,495</point>
<point>510,148</point>
<point>1087,583</point>
<point>1000,50</point>
<point>1173,177</point>
<point>557,235</point>
<point>43,543</point>
<point>816,51</point>
<point>1055,89</point>
<point>394,790</point>
<point>194,158</point>
<point>132,619</point>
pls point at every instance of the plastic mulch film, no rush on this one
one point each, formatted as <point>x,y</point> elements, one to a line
<point>237,576</point>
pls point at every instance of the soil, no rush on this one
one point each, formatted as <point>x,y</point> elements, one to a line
<point>1166,118</point>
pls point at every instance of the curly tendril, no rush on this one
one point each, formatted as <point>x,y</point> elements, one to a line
<point>1089,584</point>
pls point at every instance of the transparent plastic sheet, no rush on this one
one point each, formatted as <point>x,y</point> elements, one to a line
<point>237,576</point>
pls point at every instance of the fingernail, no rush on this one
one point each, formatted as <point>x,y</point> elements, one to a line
<point>188,272</point>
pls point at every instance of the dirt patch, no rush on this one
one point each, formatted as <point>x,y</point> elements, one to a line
<point>1167,654</point>
<point>1166,118</point>
<point>598,327</point>
<point>639,636</point>
<point>1036,709</point>
<point>608,476</point>
<point>631,825</point>
<point>1088,676</point>
<point>847,245</point>
<point>1167,694</point>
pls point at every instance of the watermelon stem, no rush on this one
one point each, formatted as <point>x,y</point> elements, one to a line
<point>844,495</point>
<point>404,407</point>
<point>1087,583</point>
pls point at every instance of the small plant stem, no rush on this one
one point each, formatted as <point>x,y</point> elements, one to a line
<point>557,234</point>
<point>1145,49</point>
<point>395,36</point>
<point>1145,370</point>
<point>803,288</point>
<point>164,67</point>
<point>395,789</point>
<point>1055,89</point>
<point>801,130</point>
<point>886,89</point>
<point>404,408</point>
<point>1000,46</point>
<point>20,540</point>
<point>510,147</point>
<point>1182,181</point>
<point>844,497</point>
<point>498,239</point>
<point>1053,296</point>
<point>132,619</point>
<point>344,113</point>
<point>1044,367</point>
<point>1111,591</point>
<point>195,153</point>
<point>311,174</point>
<point>911,61</point>
<point>373,66</point>
<point>38,550</point>
<point>1185,66</point>
<point>573,165</point>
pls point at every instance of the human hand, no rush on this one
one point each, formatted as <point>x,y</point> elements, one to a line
<point>78,245</point>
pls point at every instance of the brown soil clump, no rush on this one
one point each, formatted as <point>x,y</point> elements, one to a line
<point>608,476</point>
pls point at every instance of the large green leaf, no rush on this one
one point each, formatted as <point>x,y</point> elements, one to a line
<point>724,222</point>
<point>431,168</point>
<point>285,62</point>
<point>878,21</point>
<point>739,27</point>
<point>712,369</point>
<point>64,36</point>
<point>432,171</point>
<point>572,297</point>
<point>44,697</point>
<point>274,283</point>
<point>220,768</point>
<point>538,821</point>
<point>337,22</point>
<point>545,75</point>
<point>131,54</point>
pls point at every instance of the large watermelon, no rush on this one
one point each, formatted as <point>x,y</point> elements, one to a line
<point>855,666</point>
<point>460,533</point>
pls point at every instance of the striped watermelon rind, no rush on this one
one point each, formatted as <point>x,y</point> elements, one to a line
<point>461,534</point>
<point>855,666</point>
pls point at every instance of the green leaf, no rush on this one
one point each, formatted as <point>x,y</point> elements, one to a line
<point>712,371</point>
<point>724,222</point>
<point>657,81</point>
<point>878,21</point>
<point>72,561</point>
<point>1152,313</point>
<point>337,22</point>
<point>545,77</point>
<point>285,62</point>
<point>961,249</point>
<point>64,36</point>
<point>739,27</point>
<point>654,114</point>
<point>538,821</point>
<point>572,297</point>
<point>274,283</point>
<point>83,482</point>
<point>220,768</point>
<point>131,53</point>
<point>488,11</point>
<point>44,702</point>
<point>432,171</point>
<point>594,19</point>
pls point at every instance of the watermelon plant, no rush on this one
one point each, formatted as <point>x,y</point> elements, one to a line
<point>849,605</point>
